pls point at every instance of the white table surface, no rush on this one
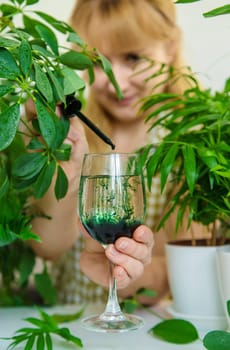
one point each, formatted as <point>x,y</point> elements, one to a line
<point>11,319</point>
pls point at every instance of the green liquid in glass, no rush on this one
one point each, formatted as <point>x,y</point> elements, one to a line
<point>107,232</point>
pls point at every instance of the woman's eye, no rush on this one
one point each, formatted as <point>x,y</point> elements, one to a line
<point>132,57</point>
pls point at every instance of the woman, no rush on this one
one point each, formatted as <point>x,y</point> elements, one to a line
<point>130,34</point>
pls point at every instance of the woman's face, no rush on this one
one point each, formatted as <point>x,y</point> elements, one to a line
<point>131,71</point>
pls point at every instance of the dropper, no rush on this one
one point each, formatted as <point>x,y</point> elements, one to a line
<point>73,107</point>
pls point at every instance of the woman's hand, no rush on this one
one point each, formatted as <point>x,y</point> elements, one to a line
<point>129,255</point>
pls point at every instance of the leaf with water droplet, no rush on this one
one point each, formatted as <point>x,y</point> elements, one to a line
<point>8,126</point>
<point>8,65</point>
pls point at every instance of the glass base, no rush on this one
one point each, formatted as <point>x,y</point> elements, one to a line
<point>112,324</point>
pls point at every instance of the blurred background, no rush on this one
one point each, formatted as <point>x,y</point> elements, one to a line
<point>206,40</point>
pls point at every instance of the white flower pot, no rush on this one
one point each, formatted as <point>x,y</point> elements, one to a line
<point>223,268</point>
<point>193,281</point>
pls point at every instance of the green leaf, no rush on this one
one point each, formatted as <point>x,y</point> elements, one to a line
<point>143,154</point>
<point>26,234</point>
<point>208,156</point>
<point>37,322</point>
<point>63,152</point>
<point>4,186</point>
<point>49,37</point>
<point>28,165</point>
<point>65,333</point>
<point>75,38</point>
<point>25,330</point>
<point>62,129</point>
<point>8,65</point>
<point>5,42</point>
<point>185,1</point>
<point>153,163</point>
<point>62,318</point>
<point>175,331</point>
<point>91,75</point>
<point>129,305</point>
<point>108,70</point>
<point>25,57</point>
<point>35,144</point>
<point>26,265</point>
<point>72,81</point>
<point>6,235</point>
<point>166,108</point>
<point>9,121</point>
<point>5,89</point>
<point>31,2</point>
<point>48,341</point>
<point>168,163</point>
<point>228,307</point>
<point>46,123</point>
<point>222,10</point>
<point>49,320</point>
<point>30,25</point>
<point>227,85</point>
<point>189,166</point>
<point>39,50</point>
<point>8,10</point>
<point>40,342</point>
<point>217,340</point>
<point>59,25</point>
<point>30,342</point>
<point>58,86</point>
<point>20,1</point>
<point>61,185</point>
<point>147,292</point>
<point>17,340</point>
<point>44,179</point>
<point>76,60</point>
<point>43,83</point>
<point>45,288</point>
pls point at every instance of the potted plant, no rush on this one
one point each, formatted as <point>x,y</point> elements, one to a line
<point>33,66</point>
<point>196,154</point>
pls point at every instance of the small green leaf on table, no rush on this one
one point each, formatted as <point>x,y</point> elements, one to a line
<point>175,331</point>
<point>63,318</point>
<point>217,340</point>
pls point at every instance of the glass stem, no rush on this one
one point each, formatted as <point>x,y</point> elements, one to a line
<point>112,309</point>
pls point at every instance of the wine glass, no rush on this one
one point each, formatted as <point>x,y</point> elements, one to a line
<point>111,205</point>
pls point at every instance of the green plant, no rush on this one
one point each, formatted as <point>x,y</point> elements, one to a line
<point>195,151</point>
<point>45,326</point>
<point>33,66</point>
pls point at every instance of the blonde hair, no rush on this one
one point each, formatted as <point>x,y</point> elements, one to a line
<point>125,25</point>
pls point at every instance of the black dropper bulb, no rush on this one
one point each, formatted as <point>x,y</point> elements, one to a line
<point>72,109</point>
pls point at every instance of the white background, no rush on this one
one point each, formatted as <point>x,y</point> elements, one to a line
<point>206,40</point>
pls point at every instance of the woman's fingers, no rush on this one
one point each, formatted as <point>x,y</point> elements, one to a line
<point>139,247</point>
<point>122,278</point>
<point>131,255</point>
